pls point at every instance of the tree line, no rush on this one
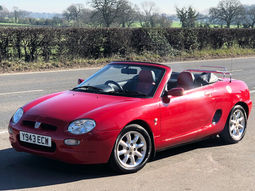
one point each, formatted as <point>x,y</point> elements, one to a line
<point>122,13</point>
<point>32,44</point>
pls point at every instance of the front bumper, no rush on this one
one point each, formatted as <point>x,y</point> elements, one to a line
<point>94,148</point>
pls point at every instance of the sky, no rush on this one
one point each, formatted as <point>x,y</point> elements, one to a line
<point>58,6</point>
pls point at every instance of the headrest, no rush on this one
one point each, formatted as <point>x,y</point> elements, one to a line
<point>186,80</point>
<point>147,76</point>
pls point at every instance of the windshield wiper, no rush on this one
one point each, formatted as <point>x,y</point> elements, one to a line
<point>88,88</point>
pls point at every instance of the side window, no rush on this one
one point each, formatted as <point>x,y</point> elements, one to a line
<point>185,81</point>
<point>172,82</point>
<point>204,79</point>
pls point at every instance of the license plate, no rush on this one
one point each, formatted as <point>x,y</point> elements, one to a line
<point>35,139</point>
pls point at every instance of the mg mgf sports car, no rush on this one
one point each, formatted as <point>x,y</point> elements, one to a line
<point>128,111</point>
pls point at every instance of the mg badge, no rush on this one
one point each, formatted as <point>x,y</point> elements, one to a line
<point>37,125</point>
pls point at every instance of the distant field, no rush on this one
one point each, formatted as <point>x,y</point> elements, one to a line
<point>13,24</point>
<point>176,24</point>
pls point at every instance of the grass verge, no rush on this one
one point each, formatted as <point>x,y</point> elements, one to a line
<point>21,66</point>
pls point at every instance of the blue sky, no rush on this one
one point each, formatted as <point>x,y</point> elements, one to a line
<point>166,6</point>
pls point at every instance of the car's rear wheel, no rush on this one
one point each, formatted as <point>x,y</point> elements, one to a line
<point>132,149</point>
<point>235,127</point>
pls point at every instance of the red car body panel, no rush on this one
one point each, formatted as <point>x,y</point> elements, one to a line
<point>183,119</point>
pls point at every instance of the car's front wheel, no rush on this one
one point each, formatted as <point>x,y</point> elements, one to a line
<point>235,126</point>
<point>132,149</point>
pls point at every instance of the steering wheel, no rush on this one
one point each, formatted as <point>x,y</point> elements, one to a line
<point>114,83</point>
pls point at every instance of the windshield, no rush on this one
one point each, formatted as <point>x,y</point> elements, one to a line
<point>124,80</point>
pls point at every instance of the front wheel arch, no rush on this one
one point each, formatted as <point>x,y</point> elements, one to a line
<point>115,160</point>
<point>148,129</point>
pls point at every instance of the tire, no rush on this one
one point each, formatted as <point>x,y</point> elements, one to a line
<point>132,149</point>
<point>235,126</point>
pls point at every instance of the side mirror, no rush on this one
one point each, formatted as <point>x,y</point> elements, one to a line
<point>80,81</point>
<point>176,92</point>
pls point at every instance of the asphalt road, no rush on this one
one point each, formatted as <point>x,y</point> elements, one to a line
<point>207,165</point>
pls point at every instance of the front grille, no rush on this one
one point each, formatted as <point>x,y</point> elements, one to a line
<point>48,127</point>
<point>29,124</point>
<point>43,126</point>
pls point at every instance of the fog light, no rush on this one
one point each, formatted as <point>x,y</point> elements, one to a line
<point>10,130</point>
<point>72,142</point>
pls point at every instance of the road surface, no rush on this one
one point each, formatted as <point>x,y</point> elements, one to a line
<point>207,165</point>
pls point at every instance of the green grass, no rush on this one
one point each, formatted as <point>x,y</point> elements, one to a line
<point>20,66</point>
<point>14,24</point>
<point>176,24</point>
<point>218,53</point>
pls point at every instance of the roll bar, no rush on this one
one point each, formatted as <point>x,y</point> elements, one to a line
<point>223,71</point>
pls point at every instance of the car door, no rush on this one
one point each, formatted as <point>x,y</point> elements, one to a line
<point>184,117</point>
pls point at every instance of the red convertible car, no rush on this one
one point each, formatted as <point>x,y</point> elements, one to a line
<point>128,111</point>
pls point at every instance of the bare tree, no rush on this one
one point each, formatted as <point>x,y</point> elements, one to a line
<point>227,11</point>
<point>73,12</point>
<point>106,10</point>
<point>16,14</point>
<point>187,16</point>
<point>127,14</point>
<point>85,16</point>
<point>148,14</point>
<point>4,12</point>
<point>250,16</point>
<point>163,21</point>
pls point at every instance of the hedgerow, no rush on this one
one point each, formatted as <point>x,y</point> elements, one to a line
<point>45,44</point>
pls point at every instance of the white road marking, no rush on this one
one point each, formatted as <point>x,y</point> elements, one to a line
<point>3,132</point>
<point>209,60</point>
<point>252,91</point>
<point>236,71</point>
<point>20,92</point>
<point>52,71</point>
<point>96,68</point>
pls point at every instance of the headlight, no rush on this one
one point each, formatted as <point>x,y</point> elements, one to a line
<point>17,116</point>
<point>81,126</point>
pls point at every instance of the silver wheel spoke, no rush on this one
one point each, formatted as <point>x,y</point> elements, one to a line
<point>123,144</point>
<point>237,131</point>
<point>136,138</point>
<point>240,119</point>
<point>240,126</point>
<point>234,131</point>
<point>232,128</point>
<point>129,153</point>
<point>126,158</point>
<point>238,114</point>
<point>139,145</point>
<point>237,124</point>
<point>122,152</point>
<point>132,160</point>
<point>129,138</point>
<point>233,121</point>
<point>138,154</point>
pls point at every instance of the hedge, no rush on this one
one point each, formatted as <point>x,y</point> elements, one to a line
<point>33,44</point>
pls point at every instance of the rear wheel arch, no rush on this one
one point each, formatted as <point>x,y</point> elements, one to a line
<point>245,107</point>
<point>234,136</point>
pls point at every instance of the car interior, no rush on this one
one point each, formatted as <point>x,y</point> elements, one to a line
<point>188,80</point>
<point>143,83</point>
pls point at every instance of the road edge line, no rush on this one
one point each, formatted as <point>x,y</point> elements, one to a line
<point>3,132</point>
